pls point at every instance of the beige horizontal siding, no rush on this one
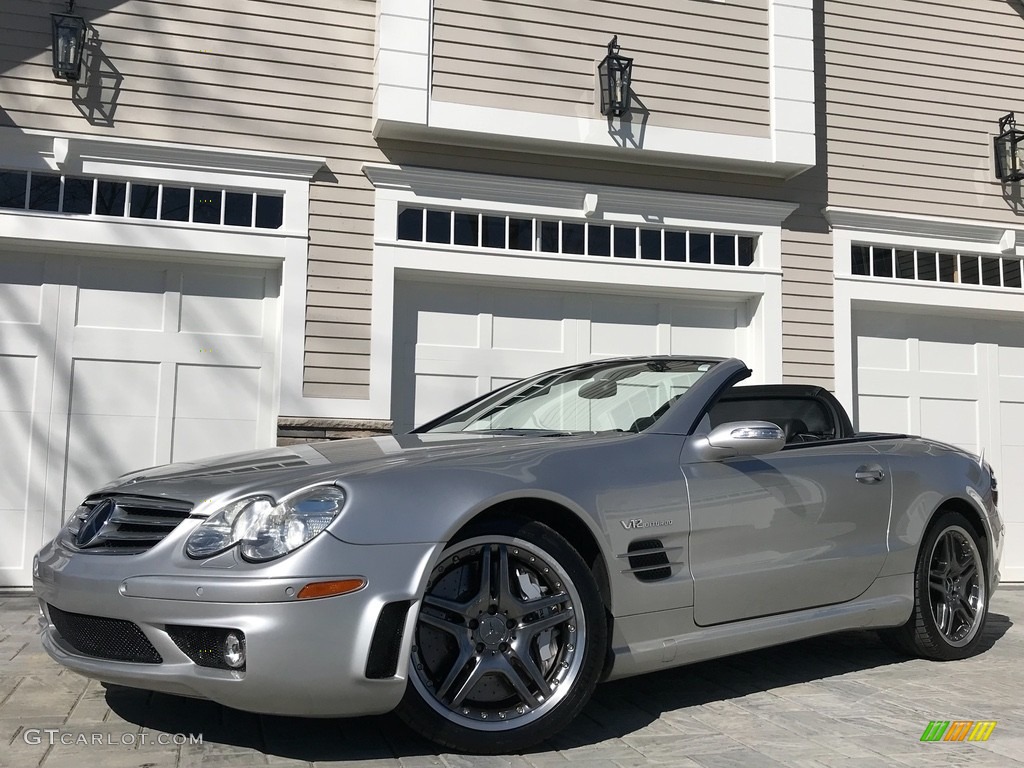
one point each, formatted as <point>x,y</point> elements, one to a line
<point>914,92</point>
<point>265,76</point>
<point>702,66</point>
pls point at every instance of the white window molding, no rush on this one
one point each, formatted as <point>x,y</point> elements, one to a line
<point>403,107</point>
<point>854,293</point>
<point>759,287</point>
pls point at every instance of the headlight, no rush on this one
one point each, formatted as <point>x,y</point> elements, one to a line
<point>264,530</point>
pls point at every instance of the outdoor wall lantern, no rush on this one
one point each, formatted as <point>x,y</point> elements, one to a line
<point>68,42</point>
<point>615,73</point>
<point>1009,145</point>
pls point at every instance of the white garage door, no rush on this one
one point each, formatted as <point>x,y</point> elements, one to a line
<point>955,379</point>
<point>108,366</point>
<point>454,342</point>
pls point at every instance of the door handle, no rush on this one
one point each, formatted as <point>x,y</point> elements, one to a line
<point>869,475</point>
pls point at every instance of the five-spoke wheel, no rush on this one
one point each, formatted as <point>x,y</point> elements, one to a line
<point>509,641</point>
<point>950,593</point>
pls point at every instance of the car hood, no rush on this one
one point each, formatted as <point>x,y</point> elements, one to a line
<point>211,482</point>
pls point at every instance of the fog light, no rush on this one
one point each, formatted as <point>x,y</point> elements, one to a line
<point>234,650</point>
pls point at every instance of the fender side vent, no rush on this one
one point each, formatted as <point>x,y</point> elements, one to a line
<point>382,661</point>
<point>648,560</point>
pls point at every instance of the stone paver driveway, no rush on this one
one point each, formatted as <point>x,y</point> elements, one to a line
<point>844,700</point>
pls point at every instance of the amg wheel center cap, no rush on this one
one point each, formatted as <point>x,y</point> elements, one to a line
<point>492,630</point>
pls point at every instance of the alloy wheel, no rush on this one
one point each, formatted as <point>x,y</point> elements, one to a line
<point>956,590</point>
<point>500,635</point>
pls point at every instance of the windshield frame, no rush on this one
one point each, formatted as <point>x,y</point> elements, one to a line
<point>499,399</point>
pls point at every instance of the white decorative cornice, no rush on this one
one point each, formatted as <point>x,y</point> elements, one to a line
<point>70,151</point>
<point>468,189</point>
<point>917,226</point>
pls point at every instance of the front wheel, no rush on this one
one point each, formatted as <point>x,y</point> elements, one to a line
<point>950,594</point>
<point>510,640</point>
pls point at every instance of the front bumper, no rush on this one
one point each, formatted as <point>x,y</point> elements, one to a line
<point>303,657</point>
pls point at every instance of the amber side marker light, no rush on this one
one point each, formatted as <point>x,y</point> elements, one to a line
<point>330,588</point>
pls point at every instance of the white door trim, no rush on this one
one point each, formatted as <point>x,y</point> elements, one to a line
<point>855,291</point>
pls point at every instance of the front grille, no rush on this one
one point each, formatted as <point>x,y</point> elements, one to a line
<point>103,638</point>
<point>136,524</point>
<point>204,645</point>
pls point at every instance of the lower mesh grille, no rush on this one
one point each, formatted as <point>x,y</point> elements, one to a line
<point>103,638</point>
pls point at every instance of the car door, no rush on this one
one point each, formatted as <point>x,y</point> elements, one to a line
<point>796,529</point>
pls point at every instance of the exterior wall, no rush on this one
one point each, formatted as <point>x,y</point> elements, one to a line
<point>702,66</point>
<point>257,77</point>
<point>915,91</point>
<point>806,241</point>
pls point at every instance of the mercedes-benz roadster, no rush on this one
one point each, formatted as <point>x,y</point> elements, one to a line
<point>482,574</point>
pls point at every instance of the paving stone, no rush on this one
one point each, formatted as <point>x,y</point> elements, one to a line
<point>844,701</point>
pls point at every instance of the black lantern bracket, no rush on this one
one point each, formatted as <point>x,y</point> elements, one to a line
<point>615,75</point>
<point>69,31</point>
<point>1009,150</point>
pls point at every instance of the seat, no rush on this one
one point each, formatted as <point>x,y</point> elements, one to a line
<point>794,429</point>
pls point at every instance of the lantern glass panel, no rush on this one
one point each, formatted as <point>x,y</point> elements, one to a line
<point>1009,147</point>
<point>68,41</point>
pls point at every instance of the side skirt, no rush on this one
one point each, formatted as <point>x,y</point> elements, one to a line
<point>648,642</point>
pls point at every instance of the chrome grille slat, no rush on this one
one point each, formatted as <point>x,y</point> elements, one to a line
<point>156,520</point>
<point>137,523</point>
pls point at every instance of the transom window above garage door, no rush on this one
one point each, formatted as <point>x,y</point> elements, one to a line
<point>89,196</point>
<point>577,238</point>
<point>936,266</point>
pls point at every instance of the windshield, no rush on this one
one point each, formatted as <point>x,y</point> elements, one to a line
<point>624,396</point>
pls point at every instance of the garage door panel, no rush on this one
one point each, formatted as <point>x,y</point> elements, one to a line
<point>951,421</point>
<point>199,438</point>
<point>1011,362</point>
<point>217,392</point>
<point>877,353</point>
<point>449,329</point>
<point>433,390</point>
<point>15,551</point>
<point>21,290</point>
<point>942,357</point>
<point>948,385</point>
<point>114,388</point>
<point>121,296</point>
<point>534,334</point>
<point>882,413</point>
<point>703,331</point>
<point>222,304</point>
<point>17,409</point>
<point>101,447</point>
<point>610,340</point>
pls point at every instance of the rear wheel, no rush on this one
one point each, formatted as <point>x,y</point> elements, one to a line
<point>509,642</point>
<point>950,594</point>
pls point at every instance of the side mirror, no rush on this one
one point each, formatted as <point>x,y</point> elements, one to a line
<point>741,438</point>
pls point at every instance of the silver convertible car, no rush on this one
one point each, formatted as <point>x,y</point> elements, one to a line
<point>482,574</point>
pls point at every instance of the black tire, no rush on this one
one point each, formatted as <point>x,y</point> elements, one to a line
<point>950,594</point>
<point>499,666</point>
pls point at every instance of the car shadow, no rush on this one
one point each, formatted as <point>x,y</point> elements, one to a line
<point>617,709</point>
